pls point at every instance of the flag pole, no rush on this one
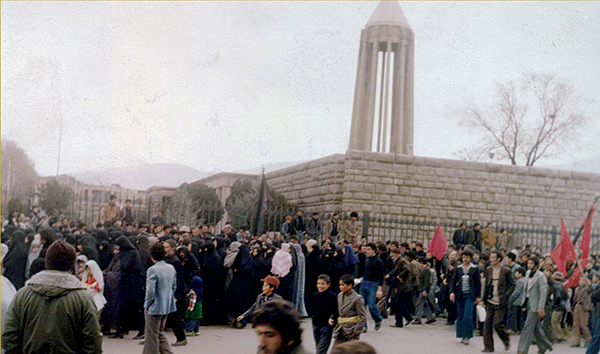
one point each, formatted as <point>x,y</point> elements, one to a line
<point>588,216</point>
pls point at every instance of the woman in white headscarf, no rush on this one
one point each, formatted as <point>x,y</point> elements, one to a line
<point>80,265</point>
<point>281,267</point>
<point>93,280</point>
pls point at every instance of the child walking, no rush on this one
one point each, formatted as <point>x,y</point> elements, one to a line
<point>352,312</point>
<point>325,312</point>
<point>270,283</point>
<point>193,314</point>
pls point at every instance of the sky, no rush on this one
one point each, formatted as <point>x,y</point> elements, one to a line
<point>223,86</point>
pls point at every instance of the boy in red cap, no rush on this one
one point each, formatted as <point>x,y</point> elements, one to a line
<point>270,283</point>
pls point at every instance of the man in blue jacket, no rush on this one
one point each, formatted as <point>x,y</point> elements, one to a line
<point>161,282</point>
<point>465,287</point>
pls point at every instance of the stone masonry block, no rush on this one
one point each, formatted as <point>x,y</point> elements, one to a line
<point>453,214</point>
<point>354,186</point>
<point>364,196</point>
<point>464,195</point>
<point>385,198</point>
<point>374,166</point>
<point>438,193</point>
<point>416,192</point>
<point>399,168</point>
<point>412,200</point>
<point>390,189</point>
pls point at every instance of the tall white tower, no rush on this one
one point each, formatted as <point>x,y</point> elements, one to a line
<point>387,40</point>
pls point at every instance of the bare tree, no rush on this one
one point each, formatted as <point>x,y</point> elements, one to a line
<point>515,132</point>
<point>19,178</point>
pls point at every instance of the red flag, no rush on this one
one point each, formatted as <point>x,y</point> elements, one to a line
<point>585,249</point>
<point>437,246</point>
<point>564,251</point>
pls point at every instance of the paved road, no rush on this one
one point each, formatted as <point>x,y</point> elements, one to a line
<point>436,339</point>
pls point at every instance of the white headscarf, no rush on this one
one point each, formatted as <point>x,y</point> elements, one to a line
<point>96,274</point>
<point>234,249</point>
<point>282,261</point>
<point>4,251</point>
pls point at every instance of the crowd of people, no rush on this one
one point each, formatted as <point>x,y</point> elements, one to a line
<point>149,276</point>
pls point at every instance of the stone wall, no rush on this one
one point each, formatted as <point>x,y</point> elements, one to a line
<point>315,184</point>
<point>428,187</point>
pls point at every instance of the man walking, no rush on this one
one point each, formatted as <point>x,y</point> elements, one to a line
<point>499,285</point>
<point>53,313</point>
<point>161,282</point>
<point>175,318</point>
<point>465,287</point>
<point>371,286</point>
<point>536,302</point>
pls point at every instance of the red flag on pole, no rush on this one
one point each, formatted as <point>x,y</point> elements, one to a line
<point>564,251</point>
<point>437,246</point>
<point>584,247</point>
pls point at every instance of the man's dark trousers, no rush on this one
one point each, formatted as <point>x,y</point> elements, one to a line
<point>174,320</point>
<point>494,320</point>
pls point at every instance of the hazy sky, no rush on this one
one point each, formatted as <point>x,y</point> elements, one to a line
<point>233,85</point>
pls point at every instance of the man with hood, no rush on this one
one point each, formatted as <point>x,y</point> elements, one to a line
<point>73,326</point>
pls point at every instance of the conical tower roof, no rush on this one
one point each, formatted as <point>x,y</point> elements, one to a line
<point>388,13</point>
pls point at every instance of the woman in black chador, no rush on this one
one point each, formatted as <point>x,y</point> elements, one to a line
<point>212,273</point>
<point>131,288</point>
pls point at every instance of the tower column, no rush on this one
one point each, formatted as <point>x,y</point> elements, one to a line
<point>371,103</point>
<point>359,96</point>
<point>399,97</point>
<point>408,112</point>
<point>386,27</point>
<point>384,148</point>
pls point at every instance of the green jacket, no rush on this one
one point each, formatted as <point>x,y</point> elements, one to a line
<point>53,313</point>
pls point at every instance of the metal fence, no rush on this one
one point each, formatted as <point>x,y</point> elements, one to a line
<point>377,227</point>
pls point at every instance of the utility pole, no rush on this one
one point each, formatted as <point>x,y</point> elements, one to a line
<point>59,144</point>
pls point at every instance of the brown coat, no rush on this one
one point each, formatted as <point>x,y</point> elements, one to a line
<point>506,285</point>
<point>350,305</point>
<point>489,238</point>
<point>583,295</point>
<point>110,213</point>
<point>350,228</point>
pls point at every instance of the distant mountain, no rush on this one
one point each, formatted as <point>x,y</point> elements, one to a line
<point>142,177</point>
